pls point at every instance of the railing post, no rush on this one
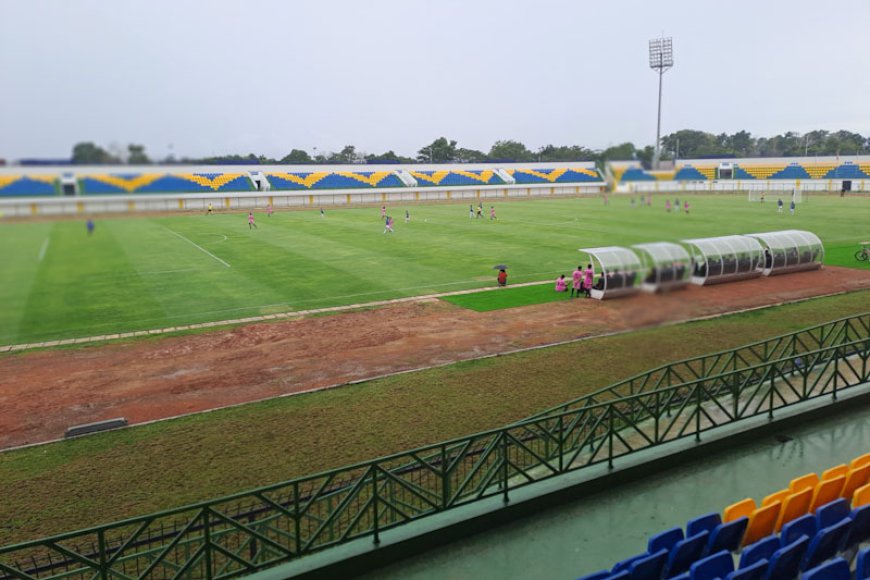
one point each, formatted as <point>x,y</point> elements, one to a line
<point>836,370</point>
<point>698,403</point>
<point>206,536</point>
<point>772,379</point>
<point>374,474</point>
<point>445,479</point>
<point>656,419</point>
<point>610,435</point>
<point>101,541</point>
<point>504,466</point>
<point>297,519</point>
<point>561,441</point>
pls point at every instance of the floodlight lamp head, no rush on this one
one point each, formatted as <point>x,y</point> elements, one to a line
<point>661,54</point>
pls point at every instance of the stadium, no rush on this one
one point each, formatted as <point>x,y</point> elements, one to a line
<point>504,368</point>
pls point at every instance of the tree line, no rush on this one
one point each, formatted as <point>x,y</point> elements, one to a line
<point>684,144</point>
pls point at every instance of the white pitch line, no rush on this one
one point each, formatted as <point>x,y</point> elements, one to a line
<point>197,246</point>
<point>43,249</point>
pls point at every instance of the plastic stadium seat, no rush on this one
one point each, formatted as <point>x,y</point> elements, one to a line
<point>740,509</point>
<point>664,540</point>
<point>649,567</point>
<point>806,525</point>
<point>600,575</point>
<point>706,522</point>
<point>857,477</point>
<point>831,513</point>
<point>860,461</point>
<point>785,563</point>
<point>754,572</point>
<point>862,565</point>
<point>778,496</point>
<point>727,536</point>
<point>836,471</point>
<point>803,482</point>
<point>795,506</point>
<point>717,565</point>
<point>827,491</point>
<point>861,496</point>
<point>761,550</point>
<point>626,564</point>
<point>825,544</point>
<point>762,523</point>
<point>836,569</point>
<point>860,529</point>
<point>685,553</point>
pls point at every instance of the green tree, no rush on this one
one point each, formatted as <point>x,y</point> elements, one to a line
<point>565,153</point>
<point>136,155</point>
<point>470,155</point>
<point>297,157</point>
<point>91,154</point>
<point>621,152</point>
<point>388,157</point>
<point>439,151</point>
<point>509,150</point>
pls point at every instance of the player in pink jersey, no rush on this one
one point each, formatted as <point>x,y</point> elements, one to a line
<point>561,284</point>
<point>587,280</point>
<point>577,281</point>
<point>251,223</point>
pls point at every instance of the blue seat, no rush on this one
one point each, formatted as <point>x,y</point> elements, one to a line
<point>862,565</point>
<point>703,523</point>
<point>806,525</point>
<point>649,567</point>
<point>600,575</point>
<point>860,529</point>
<point>727,536</point>
<point>825,544</point>
<point>685,553</point>
<point>763,549</point>
<point>836,569</point>
<point>831,513</point>
<point>626,564</point>
<point>754,572</point>
<point>717,565</point>
<point>664,540</point>
<point>785,564</point>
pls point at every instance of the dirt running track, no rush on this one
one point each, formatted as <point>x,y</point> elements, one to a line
<point>43,393</point>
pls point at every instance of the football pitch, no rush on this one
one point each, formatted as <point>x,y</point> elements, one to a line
<point>140,273</point>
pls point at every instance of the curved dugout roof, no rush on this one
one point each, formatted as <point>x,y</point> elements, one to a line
<point>667,265</point>
<point>620,271</point>
<point>790,251</point>
<point>725,259</point>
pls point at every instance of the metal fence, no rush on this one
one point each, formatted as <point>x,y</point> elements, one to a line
<point>250,531</point>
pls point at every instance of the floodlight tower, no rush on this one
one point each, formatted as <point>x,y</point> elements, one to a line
<point>661,59</point>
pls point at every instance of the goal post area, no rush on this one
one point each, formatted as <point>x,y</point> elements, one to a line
<point>793,194</point>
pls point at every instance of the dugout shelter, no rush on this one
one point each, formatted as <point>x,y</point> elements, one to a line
<point>619,271</point>
<point>667,266</point>
<point>725,259</point>
<point>790,251</point>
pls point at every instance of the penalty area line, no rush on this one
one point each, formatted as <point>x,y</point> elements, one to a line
<point>197,246</point>
<point>43,249</point>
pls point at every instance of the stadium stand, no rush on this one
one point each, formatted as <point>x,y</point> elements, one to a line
<point>14,185</point>
<point>821,539</point>
<point>282,181</point>
<point>163,183</point>
<point>456,177</point>
<point>563,175</point>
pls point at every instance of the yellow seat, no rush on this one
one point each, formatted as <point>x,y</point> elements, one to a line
<point>837,471</point>
<point>827,491</point>
<point>798,483</point>
<point>778,496</point>
<point>795,505</point>
<point>762,523</point>
<point>862,496</point>
<point>860,461</point>
<point>738,510</point>
<point>858,477</point>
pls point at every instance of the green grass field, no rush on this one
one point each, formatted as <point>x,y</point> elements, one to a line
<point>139,273</point>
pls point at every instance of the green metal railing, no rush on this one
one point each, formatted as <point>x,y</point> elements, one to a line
<point>251,531</point>
<point>813,338</point>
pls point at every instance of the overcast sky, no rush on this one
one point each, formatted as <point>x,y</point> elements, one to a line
<point>203,77</point>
